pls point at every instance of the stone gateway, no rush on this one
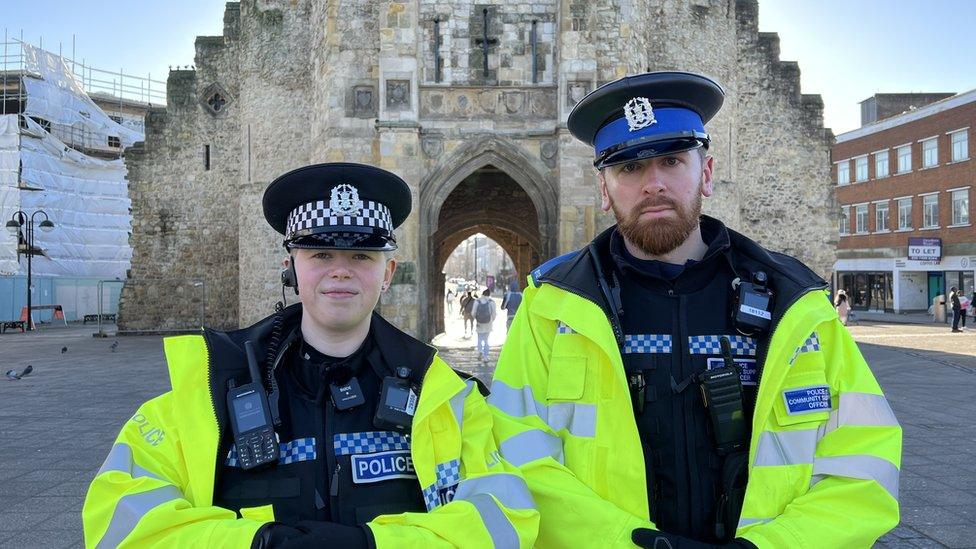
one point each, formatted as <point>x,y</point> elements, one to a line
<point>466,101</point>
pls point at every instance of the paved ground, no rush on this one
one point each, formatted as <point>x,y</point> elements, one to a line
<point>57,424</point>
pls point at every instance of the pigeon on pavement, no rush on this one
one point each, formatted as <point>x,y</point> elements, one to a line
<point>12,374</point>
<point>27,371</point>
<point>64,350</point>
<point>114,346</point>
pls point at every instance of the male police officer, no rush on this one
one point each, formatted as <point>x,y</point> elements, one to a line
<point>349,434</point>
<point>674,384</point>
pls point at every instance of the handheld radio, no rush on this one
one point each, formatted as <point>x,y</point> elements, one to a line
<point>250,419</point>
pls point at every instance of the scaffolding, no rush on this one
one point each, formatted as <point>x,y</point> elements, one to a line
<point>98,83</point>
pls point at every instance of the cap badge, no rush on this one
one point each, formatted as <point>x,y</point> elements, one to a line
<point>345,200</point>
<point>639,113</point>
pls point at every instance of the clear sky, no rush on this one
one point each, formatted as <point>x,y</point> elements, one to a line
<point>848,50</point>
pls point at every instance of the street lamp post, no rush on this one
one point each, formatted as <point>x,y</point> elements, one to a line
<point>20,220</point>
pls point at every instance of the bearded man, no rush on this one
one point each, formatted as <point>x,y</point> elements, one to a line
<point>676,385</point>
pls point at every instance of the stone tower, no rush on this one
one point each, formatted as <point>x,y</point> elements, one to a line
<point>467,101</point>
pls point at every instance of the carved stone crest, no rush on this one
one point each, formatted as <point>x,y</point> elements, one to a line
<point>575,92</point>
<point>548,150</point>
<point>513,101</point>
<point>432,146</point>
<point>398,94</point>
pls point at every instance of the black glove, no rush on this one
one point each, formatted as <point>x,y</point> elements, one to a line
<point>653,539</point>
<point>309,533</point>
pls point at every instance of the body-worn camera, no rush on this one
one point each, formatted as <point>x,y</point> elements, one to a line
<point>398,402</point>
<point>753,305</point>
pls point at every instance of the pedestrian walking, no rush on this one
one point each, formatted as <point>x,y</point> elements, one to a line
<point>467,301</point>
<point>842,306</point>
<point>449,301</point>
<point>511,302</point>
<point>956,305</point>
<point>484,314</point>
<point>963,308</point>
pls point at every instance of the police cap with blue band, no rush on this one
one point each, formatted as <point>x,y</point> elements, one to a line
<point>646,115</point>
<point>337,205</point>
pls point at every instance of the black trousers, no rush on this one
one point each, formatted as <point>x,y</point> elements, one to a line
<point>956,314</point>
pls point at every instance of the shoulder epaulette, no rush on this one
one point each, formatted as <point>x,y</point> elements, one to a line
<point>541,270</point>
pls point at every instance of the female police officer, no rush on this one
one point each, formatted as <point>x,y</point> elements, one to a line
<point>348,432</point>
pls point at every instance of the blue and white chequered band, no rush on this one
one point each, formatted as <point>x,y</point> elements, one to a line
<point>563,328</point>
<point>369,442</point>
<point>300,449</point>
<point>811,344</point>
<point>711,345</point>
<point>448,474</point>
<point>647,343</point>
<point>317,214</point>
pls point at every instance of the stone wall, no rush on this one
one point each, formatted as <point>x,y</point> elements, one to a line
<point>276,134</point>
<point>185,216</point>
<point>359,81</point>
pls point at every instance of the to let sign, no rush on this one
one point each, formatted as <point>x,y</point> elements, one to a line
<point>925,249</point>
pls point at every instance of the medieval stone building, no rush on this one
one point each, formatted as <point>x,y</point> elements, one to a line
<point>467,101</point>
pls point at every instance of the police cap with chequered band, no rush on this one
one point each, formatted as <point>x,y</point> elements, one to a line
<point>337,205</point>
<point>646,115</point>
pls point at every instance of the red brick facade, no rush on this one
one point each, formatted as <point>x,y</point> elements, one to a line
<point>919,181</point>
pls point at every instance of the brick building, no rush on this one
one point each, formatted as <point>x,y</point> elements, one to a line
<point>904,187</point>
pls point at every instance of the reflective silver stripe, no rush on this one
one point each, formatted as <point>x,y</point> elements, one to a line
<point>499,528</point>
<point>457,402</point>
<point>578,419</point>
<point>120,459</point>
<point>861,467</point>
<point>507,488</point>
<point>131,508</point>
<point>786,447</point>
<point>743,522</point>
<point>530,446</point>
<point>861,409</point>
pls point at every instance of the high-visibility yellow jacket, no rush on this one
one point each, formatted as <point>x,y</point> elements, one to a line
<point>156,486</point>
<point>563,413</point>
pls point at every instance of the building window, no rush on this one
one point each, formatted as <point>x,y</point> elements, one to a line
<point>861,218</point>
<point>960,145</point>
<point>960,207</point>
<point>845,220</point>
<point>843,172</point>
<point>881,164</point>
<point>115,118</point>
<point>861,168</point>
<point>114,141</point>
<point>881,217</point>
<point>904,159</point>
<point>905,214</point>
<point>930,152</point>
<point>206,157</point>
<point>930,211</point>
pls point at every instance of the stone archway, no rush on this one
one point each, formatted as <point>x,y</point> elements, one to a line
<point>491,189</point>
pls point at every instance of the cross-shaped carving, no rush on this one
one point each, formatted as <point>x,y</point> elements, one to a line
<point>216,102</point>
<point>485,42</point>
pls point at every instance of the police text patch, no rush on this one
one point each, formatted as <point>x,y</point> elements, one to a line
<point>382,466</point>
<point>807,399</point>
<point>747,368</point>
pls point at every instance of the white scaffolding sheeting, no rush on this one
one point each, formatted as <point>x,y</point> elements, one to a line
<point>9,194</point>
<point>86,198</point>
<point>55,95</point>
